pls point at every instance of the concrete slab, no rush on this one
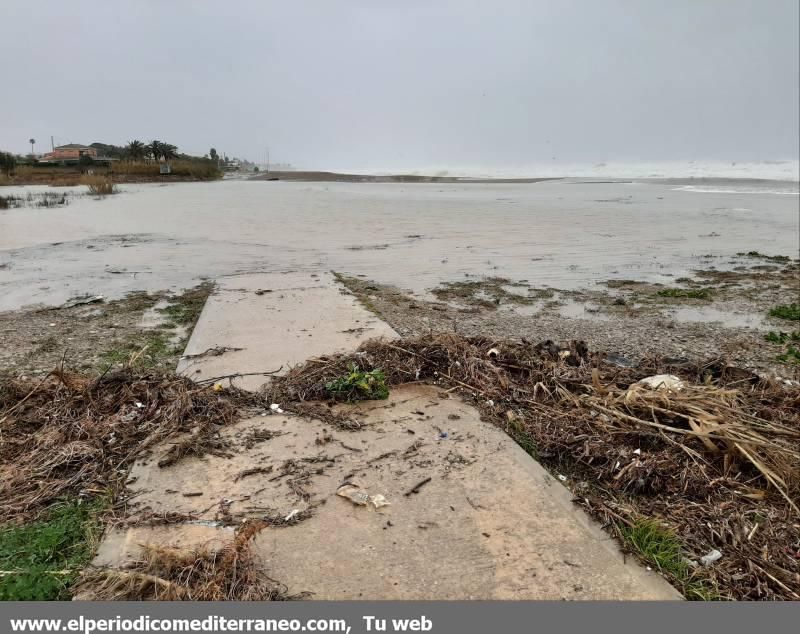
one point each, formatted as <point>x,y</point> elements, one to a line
<point>487,522</point>
<point>490,524</point>
<point>276,319</point>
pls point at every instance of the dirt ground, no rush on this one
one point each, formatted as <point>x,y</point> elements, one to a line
<point>627,319</point>
<point>90,334</point>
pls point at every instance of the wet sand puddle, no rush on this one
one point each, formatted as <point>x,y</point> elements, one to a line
<point>728,319</point>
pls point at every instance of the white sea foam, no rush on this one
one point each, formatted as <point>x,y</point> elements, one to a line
<point>788,170</point>
<point>790,190</point>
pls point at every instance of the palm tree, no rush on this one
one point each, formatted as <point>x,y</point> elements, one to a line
<point>136,150</point>
<point>169,151</point>
<point>31,141</point>
<point>155,149</point>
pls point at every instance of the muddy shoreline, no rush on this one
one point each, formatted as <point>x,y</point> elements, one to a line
<point>92,334</point>
<point>630,320</point>
<point>711,314</point>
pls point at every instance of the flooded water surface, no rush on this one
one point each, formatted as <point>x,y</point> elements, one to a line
<point>560,234</point>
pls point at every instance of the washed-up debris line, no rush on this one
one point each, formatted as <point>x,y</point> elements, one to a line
<point>168,574</point>
<point>710,455</point>
<point>69,434</point>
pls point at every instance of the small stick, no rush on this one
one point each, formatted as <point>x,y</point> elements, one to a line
<point>216,351</point>
<point>214,379</point>
<point>382,456</point>
<point>417,487</point>
<point>441,373</point>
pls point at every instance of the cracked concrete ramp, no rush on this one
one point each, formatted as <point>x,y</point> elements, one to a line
<point>470,514</point>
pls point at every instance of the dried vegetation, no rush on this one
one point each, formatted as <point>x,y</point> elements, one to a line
<point>674,474</point>
<point>168,574</point>
<point>715,464</point>
<point>68,435</point>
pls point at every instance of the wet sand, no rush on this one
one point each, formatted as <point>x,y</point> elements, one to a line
<point>561,234</point>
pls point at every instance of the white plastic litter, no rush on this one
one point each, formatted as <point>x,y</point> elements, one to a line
<point>711,557</point>
<point>276,408</point>
<point>360,497</point>
<point>663,382</point>
<point>378,501</point>
<point>493,353</point>
<point>291,515</point>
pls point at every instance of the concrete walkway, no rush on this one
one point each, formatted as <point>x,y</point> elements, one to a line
<point>274,321</point>
<point>486,522</point>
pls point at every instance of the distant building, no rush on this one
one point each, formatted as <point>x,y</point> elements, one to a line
<point>69,152</point>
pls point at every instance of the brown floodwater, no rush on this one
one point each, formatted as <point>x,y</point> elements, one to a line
<point>560,234</point>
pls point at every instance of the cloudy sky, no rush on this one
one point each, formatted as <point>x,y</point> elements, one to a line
<point>399,83</point>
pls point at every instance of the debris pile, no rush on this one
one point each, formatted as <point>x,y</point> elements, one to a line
<point>167,574</point>
<point>708,452</point>
<point>69,434</point>
<point>711,453</point>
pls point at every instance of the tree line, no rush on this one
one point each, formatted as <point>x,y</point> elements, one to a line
<point>139,151</point>
<point>134,151</point>
<point>7,163</point>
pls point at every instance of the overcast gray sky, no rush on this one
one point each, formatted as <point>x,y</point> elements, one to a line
<point>336,84</point>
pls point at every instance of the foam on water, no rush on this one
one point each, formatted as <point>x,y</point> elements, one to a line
<point>785,170</point>
<point>789,190</point>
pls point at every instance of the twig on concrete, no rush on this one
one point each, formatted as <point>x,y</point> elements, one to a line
<point>214,379</point>
<point>417,487</point>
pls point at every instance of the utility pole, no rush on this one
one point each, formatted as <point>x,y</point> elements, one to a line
<point>267,159</point>
<point>52,145</point>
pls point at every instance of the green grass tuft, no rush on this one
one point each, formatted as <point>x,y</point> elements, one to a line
<point>658,546</point>
<point>359,386</point>
<point>790,312</point>
<point>523,439</point>
<point>160,351</point>
<point>782,337</point>
<point>690,293</point>
<point>791,356</point>
<point>185,309</point>
<point>45,556</point>
<point>662,549</point>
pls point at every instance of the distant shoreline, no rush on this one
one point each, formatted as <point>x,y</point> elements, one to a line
<point>343,177</point>
<point>390,178</point>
